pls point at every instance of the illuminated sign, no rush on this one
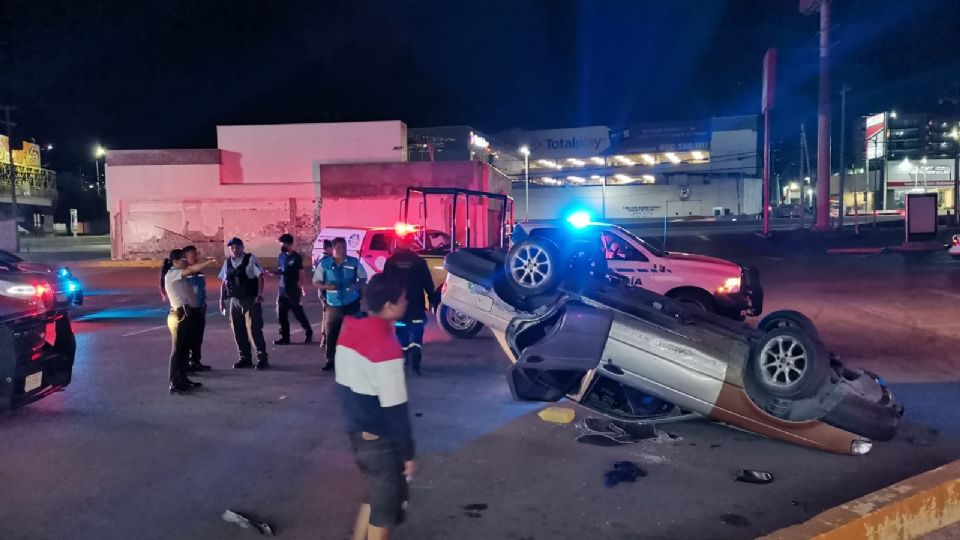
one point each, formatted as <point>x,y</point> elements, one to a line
<point>876,135</point>
<point>478,141</point>
<point>933,173</point>
<point>568,143</point>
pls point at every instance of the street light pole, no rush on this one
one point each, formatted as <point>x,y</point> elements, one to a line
<point>14,210</point>
<point>843,168</point>
<point>956,176</point>
<point>98,153</point>
<point>525,150</point>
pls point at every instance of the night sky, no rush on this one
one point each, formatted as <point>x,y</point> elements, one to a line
<point>163,74</point>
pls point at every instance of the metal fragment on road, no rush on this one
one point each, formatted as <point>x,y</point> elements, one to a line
<point>235,517</point>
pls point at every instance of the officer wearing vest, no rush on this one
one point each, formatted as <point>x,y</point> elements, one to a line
<point>413,272</point>
<point>241,299</point>
<point>289,294</point>
<point>342,276</point>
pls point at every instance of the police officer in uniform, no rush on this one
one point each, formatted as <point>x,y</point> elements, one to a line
<point>199,315</point>
<point>289,294</point>
<point>410,269</point>
<point>241,299</point>
<point>183,302</point>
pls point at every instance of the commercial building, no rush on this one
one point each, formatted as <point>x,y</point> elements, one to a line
<point>917,152</point>
<point>677,169</point>
<point>36,185</point>
<point>262,181</point>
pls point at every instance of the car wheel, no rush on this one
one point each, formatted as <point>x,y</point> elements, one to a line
<point>695,298</point>
<point>456,324</point>
<point>533,266</point>
<point>788,318</point>
<point>789,363</point>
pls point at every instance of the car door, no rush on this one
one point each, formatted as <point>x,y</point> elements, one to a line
<point>627,259</point>
<point>376,250</point>
<point>556,351</point>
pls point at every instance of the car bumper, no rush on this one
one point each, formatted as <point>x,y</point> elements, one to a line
<point>27,375</point>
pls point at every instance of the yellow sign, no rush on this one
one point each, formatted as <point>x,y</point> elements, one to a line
<point>30,155</point>
<point>4,149</point>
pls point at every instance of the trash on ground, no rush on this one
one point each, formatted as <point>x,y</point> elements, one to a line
<point>753,477</point>
<point>601,439</point>
<point>557,415</point>
<point>235,517</point>
<point>476,507</point>
<point>623,471</point>
<point>624,432</point>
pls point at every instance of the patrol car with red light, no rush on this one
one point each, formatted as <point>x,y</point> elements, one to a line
<point>542,254</point>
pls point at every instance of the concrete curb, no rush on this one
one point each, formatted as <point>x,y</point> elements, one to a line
<point>908,509</point>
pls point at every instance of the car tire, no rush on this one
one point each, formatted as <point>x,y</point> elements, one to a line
<point>457,325</point>
<point>696,299</point>
<point>534,266</point>
<point>791,364</point>
<point>788,318</point>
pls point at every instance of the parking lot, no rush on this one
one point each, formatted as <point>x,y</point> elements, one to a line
<point>116,457</point>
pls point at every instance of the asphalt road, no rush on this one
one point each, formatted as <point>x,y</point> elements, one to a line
<point>116,457</point>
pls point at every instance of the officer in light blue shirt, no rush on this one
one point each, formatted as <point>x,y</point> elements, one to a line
<point>342,276</point>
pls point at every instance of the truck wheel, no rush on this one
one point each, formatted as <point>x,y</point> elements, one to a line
<point>788,318</point>
<point>456,324</point>
<point>791,364</point>
<point>533,266</point>
<point>694,298</point>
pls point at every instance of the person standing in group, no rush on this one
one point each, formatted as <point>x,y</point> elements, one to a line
<point>289,293</point>
<point>183,302</point>
<point>413,272</point>
<point>342,276</point>
<point>373,398</point>
<point>198,316</point>
<point>321,293</point>
<point>241,300</point>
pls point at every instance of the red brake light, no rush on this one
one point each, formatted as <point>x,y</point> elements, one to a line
<point>956,240</point>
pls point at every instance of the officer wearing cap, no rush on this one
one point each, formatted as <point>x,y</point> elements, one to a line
<point>241,299</point>
<point>289,268</point>
<point>413,272</point>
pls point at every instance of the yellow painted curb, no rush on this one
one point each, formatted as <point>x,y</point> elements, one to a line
<point>908,509</point>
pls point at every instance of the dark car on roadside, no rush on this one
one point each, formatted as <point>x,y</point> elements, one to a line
<point>66,285</point>
<point>37,343</point>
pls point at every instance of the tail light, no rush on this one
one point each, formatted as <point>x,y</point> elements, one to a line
<point>956,240</point>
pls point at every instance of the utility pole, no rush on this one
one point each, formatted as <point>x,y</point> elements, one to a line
<point>808,7</point>
<point>13,174</point>
<point>843,168</point>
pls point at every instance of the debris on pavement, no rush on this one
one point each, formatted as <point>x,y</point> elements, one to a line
<point>557,415</point>
<point>623,471</point>
<point>474,510</point>
<point>235,517</point>
<point>753,477</point>
<point>606,432</point>
<point>602,439</point>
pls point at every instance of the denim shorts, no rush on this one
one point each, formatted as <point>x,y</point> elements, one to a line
<point>387,487</point>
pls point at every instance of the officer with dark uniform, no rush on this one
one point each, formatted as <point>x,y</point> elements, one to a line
<point>241,299</point>
<point>289,294</point>
<point>411,270</point>
<point>198,316</point>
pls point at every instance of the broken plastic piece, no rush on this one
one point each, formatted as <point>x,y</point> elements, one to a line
<point>557,415</point>
<point>753,477</point>
<point>235,517</point>
<point>623,471</point>
<point>625,431</point>
<point>602,439</point>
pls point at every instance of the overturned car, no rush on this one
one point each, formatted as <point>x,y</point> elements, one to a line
<point>632,354</point>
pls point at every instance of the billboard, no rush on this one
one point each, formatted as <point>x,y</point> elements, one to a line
<point>876,135</point>
<point>909,174</point>
<point>666,137</point>
<point>566,143</point>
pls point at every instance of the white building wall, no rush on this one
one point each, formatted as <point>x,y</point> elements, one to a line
<point>287,152</point>
<point>733,195</point>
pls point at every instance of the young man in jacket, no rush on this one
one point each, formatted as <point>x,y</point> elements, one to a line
<point>373,397</point>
